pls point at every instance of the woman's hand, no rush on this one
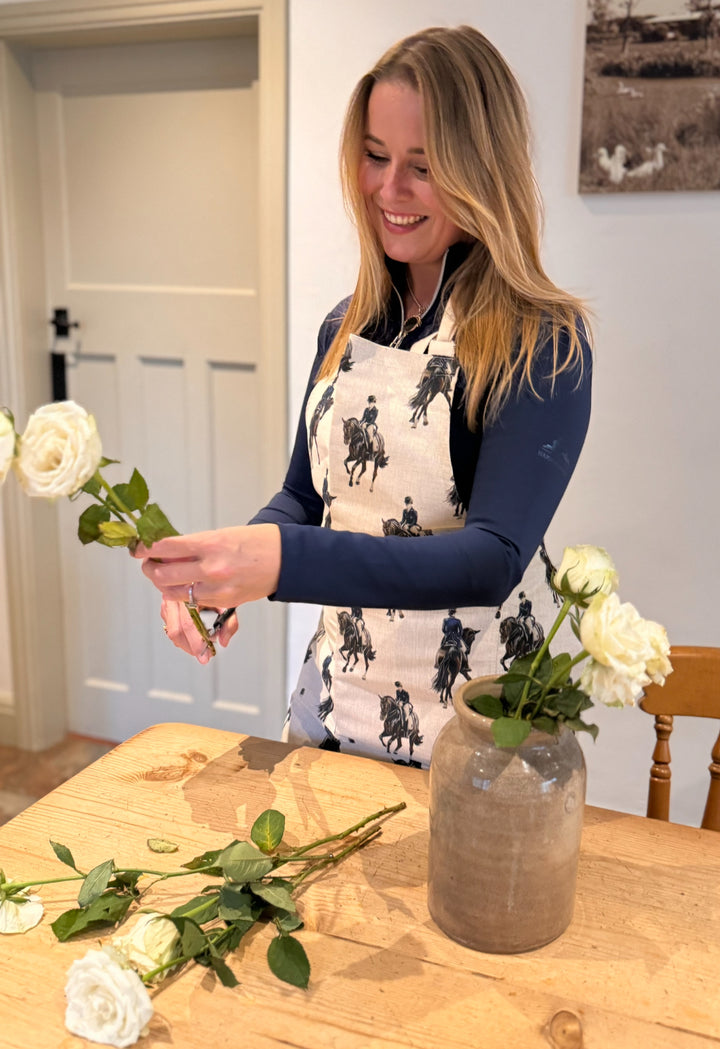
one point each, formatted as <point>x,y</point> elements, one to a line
<point>183,633</point>
<point>225,568</point>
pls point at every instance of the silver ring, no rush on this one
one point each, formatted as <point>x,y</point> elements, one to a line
<point>191,602</point>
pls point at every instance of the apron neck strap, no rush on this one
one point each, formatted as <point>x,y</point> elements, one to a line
<point>446,330</point>
<point>443,336</point>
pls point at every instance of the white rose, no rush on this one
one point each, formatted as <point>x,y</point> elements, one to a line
<point>105,1002</point>
<point>616,636</point>
<point>609,686</point>
<point>59,451</point>
<point>658,665</point>
<point>151,942</point>
<point>7,443</point>
<point>589,570</point>
<point>20,913</point>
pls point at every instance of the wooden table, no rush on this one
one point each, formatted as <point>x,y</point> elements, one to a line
<point>638,966</point>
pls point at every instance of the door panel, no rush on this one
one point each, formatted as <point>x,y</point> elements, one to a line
<point>150,201</point>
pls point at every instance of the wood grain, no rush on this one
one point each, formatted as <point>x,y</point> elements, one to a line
<point>637,966</point>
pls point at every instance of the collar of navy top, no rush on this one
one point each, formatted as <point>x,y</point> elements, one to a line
<point>396,327</point>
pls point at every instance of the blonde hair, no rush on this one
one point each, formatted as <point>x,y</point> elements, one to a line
<point>478,155</point>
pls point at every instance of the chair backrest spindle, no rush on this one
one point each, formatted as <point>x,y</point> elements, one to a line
<point>693,689</point>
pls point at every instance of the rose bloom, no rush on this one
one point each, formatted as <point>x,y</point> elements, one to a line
<point>609,686</point>
<point>151,942</point>
<point>616,636</point>
<point>589,570</point>
<point>658,665</point>
<point>59,451</point>
<point>20,913</point>
<point>105,1002</point>
<point>7,444</point>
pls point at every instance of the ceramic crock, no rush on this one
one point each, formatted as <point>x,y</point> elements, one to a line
<point>505,827</point>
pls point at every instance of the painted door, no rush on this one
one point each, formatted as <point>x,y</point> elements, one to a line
<point>150,187</point>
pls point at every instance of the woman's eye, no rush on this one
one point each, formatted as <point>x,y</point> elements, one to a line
<point>375,157</point>
<point>422,172</point>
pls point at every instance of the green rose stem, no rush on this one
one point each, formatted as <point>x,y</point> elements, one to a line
<point>297,854</point>
<point>114,498</point>
<point>16,886</point>
<point>566,606</point>
<point>213,941</point>
<point>115,504</point>
<point>557,679</point>
<point>335,857</point>
<point>345,833</point>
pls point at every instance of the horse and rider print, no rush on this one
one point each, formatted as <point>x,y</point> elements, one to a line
<point>356,640</point>
<point>408,526</point>
<point>400,722</point>
<point>435,380</point>
<point>452,657</point>
<point>328,499</point>
<point>365,443</point>
<point>521,634</point>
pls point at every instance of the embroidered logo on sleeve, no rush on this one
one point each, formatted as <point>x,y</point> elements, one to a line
<point>553,452</point>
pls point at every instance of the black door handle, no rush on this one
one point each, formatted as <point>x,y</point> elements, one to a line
<point>58,363</point>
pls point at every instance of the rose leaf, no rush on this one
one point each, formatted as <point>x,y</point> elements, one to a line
<point>153,525</point>
<point>116,533</point>
<point>510,732</point>
<point>224,972</point>
<point>276,892</point>
<point>161,845</point>
<point>63,854</point>
<point>134,494</point>
<point>237,905</point>
<point>108,909</point>
<point>96,882</point>
<point>209,904</point>
<point>89,523</point>
<point>287,922</point>
<point>489,706</point>
<point>243,862</point>
<point>268,829</point>
<point>288,961</point>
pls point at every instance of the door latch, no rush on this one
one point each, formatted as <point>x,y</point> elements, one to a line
<point>60,360</point>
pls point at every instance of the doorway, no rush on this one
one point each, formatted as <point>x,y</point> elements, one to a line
<point>155,229</point>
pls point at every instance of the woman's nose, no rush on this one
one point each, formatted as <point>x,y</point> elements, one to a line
<point>396,182</point>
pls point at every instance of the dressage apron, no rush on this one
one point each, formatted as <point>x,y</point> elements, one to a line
<point>379,681</point>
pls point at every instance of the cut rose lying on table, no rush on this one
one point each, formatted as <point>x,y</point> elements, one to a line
<point>106,990</point>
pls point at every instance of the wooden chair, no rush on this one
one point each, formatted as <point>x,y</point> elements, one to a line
<point>692,689</point>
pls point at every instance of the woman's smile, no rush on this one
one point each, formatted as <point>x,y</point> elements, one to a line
<point>405,222</point>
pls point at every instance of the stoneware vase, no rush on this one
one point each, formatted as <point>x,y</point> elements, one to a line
<point>505,828</point>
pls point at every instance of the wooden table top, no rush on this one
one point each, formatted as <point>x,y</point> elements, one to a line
<point>638,965</point>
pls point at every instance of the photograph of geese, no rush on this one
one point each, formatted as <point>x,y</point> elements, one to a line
<point>651,102</point>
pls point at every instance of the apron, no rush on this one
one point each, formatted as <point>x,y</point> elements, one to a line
<point>379,682</point>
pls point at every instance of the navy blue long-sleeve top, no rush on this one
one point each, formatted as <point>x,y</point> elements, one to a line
<point>510,473</point>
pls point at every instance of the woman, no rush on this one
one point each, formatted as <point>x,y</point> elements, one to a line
<point>457,376</point>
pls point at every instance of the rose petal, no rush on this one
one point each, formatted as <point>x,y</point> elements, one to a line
<point>20,913</point>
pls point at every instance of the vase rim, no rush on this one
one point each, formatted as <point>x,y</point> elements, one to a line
<point>488,684</point>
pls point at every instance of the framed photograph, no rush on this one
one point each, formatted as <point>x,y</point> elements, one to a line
<point>651,100</point>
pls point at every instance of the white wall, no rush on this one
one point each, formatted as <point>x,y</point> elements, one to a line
<point>647,484</point>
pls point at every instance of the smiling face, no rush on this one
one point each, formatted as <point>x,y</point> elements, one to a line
<point>394,180</point>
